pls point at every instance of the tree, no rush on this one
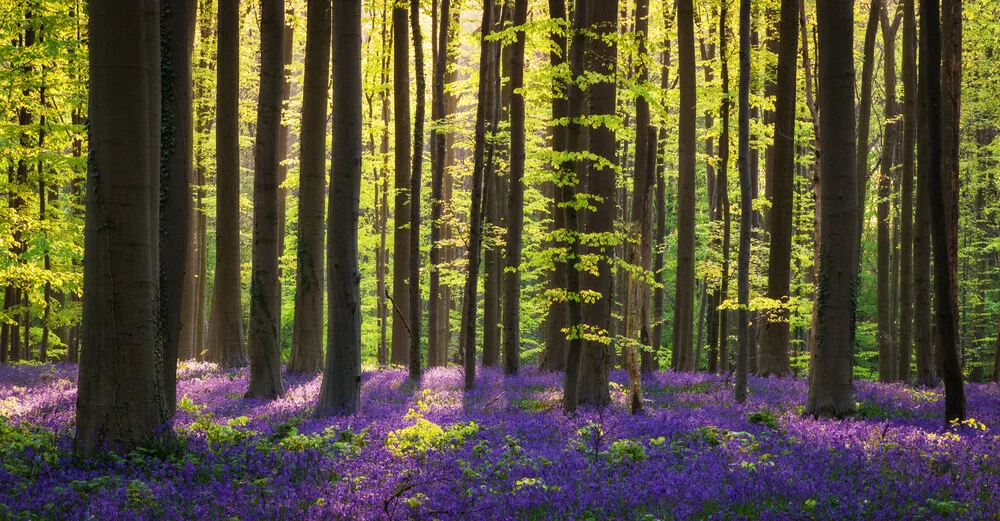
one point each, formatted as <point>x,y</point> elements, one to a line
<point>640,227</point>
<point>922,332</point>
<point>598,227</point>
<point>265,315</point>
<point>120,398</point>
<point>774,348</point>
<point>177,21</point>
<point>515,202</point>
<point>906,229</point>
<point>865,115</point>
<point>830,385</point>
<point>684,288</point>
<point>568,181</point>
<point>746,206</point>
<point>400,352</point>
<point>722,191</point>
<point>225,332</point>
<point>554,356</point>
<point>660,203</point>
<point>886,318</point>
<point>307,332</point>
<point>467,335</point>
<point>942,183</point>
<point>418,162</point>
<point>437,305</point>
<point>340,392</point>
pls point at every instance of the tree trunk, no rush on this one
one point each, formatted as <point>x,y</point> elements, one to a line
<point>225,340</point>
<point>774,348</point>
<point>687,141</point>
<point>177,23</point>
<point>923,338</point>
<point>746,206</point>
<point>265,313</point>
<point>340,392</point>
<point>554,356</point>
<point>661,204</point>
<point>120,399</point>
<point>467,336</point>
<point>515,202</point>
<point>575,137</point>
<point>283,144</point>
<point>864,119</point>
<point>307,327</point>
<point>602,59</point>
<point>886,318</point>
<point>943,113</point>
<point>640,232</point>
<point>722,193</point>
<point>437,305</point>
<point>400,353</point>
<point>417,167</point>
<point>906,286</point>
<point>830,383</point>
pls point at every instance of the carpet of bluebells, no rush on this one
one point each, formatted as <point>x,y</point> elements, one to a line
<point>504,451</point>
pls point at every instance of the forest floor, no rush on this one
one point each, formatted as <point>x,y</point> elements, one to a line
<point>504,451</point>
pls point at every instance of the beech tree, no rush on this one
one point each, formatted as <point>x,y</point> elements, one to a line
<point>467,335</point>
<point>830,384</point>
<point>120,401</point>
<point>307,335</point>
<point>340,392</point>
<point>265,317</point>
<point>177,20</point>
<point>225,329</point>
<point>684,288</point>
<point>400,352</point>
<point>515,202</point>
<point>774,346</point>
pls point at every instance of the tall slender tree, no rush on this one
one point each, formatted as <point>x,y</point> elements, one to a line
<point>906,287</point>
<point>177,24</point>
<point>417,167</point>
<point>437,306</point>
<point>923,324</point>
<point>120,398</point>
<point>570,178</point>
<point>865,116</point>
<point>640,226</point>
<point>400,352</point>
<point>684,288</point>
<point>554,356</point>
<point>225,331</point>
<point>774,347</point>
<point>265,315</point>
<point>746,207</point>
<point>307,328</point>
<point>885,317</point>
<point>515,201</point>
<point>942,81</point>
<point>340,392</point>
<point>830,383</point>
<point>602,55</point>
<point>467,335</point>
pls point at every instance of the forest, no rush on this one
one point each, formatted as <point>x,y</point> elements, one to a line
<point>499,259</point>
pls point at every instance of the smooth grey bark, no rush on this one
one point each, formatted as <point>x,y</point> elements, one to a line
<point>830,382</point>
<point>120,399</point>
<point>225,330</point>
<point>265,313</point>
<point>307,328</point>
<point>340,392</point>
<point>515,202</point>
